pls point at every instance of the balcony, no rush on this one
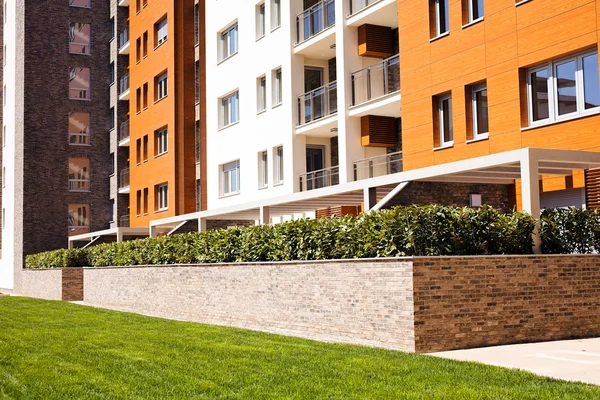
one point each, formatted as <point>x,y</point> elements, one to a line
<point>124,42</point>
<point>314,38</point>
<point>79,139</point>
<point>373,12</point>
<point>124,134</point>
<point>319,179</point>
<point>124,181</point>
<point>124,87</point>
<point>124,221</point>
<point>372,167</point>
<point>123,3</point>
<point>79,185</point>
<point>316,110</point>
<point>376,89</point>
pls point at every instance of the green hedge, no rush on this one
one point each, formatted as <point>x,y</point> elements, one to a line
<point>402,231</point>
<point>570,231</point>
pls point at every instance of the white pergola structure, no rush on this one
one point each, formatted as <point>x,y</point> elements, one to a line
<point>118,233</point>
<point>527,164</point>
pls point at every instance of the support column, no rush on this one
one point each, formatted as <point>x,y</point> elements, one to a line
<point>369,198</point>
<point>70,245</point>
<point>153,231</point>
<point>530,195</point>
<point>265,215</point>
<point>201,224</point>
<point>119,235</point>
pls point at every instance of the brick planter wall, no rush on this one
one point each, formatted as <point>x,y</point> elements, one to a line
<point>53,284</point>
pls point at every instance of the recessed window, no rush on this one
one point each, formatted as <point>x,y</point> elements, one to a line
<point>562,89</point>
<point>138,151</point>
<point>279,165</point>
<point>111,73</point>
<point>230,178</point>
<point>146,201</point>
<point>161,87</point>
<point>263,169</point>
<point>162,197</point>
<point>161,31</point>
<point>145,96</point>
<point>79,83</point>
<point>80,3</point>
<point>79,38</point>
<point>78,219</point>
<point>161,141</point>
<point>229,42</point>
<point>444,126</point>
<point>475,10</point>
<point>79,174</point>
<point>275,14</point>
<point>79,128</point>
<point>112,210</point>
<point>277,87</point>
<point>230,111</point>
<point>260,20</point>
<point>145,148</point>
<point>479,104</point>
<point>145,45</point>
<point>261,94</point>
<point>112,164</point>
<point>440,17</point>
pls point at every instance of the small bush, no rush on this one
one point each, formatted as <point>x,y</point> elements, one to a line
<point>402,231</point>
<point>570,231</point>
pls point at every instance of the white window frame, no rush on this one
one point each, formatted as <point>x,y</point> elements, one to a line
<point>275,14</point>
<point>550,67</point>
<point>261,94</point>
<point>261,21</point>
<point>162,86</point>
<point>476,134</point>
<point>233,113</point>
<point>162,197</point>
<point>278,171</point>
<point>438,18</point>
<point>162,141</point>
<point>230,178</point>
<point>162,31</point>
<point>227,39</point>
<point>441,111</point>
<point>263,169</point>
<point>471,17</point>
<point>277,87</point>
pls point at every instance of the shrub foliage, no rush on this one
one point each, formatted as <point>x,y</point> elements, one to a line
<point>403,231</point>
<point>570,231</point>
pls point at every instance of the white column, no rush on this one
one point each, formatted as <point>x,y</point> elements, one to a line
<point>153,231</point>
<point>369,198</point>
<point>201,224</point>
<point>265,215</point>
<point>530,194</point>
<point>119,235</point>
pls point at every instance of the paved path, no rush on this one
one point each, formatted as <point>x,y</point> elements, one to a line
<point>574,360</point>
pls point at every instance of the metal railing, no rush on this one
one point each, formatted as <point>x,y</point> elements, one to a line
<point>79,138</point>
<point>124,178</point>
<point>376,80</point>
<point>317,103</point>
<point>79,93</point>
<point>79,185</point>
<point>123,39</point>
<point>358,5</point>
<point>124,131</point>
<point>124,221</point>
<point>371,167</point>
<point>314,20</point>
<point>124,84</point>
<point>320,178</point>
<point>79,48</point>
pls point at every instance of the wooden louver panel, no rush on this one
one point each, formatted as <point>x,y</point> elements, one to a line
<point>378,131</point>
<point>374,41</point>
<point>339,211</point>
<point>592,188</point>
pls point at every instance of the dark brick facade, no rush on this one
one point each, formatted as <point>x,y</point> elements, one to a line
<point>47,151</point>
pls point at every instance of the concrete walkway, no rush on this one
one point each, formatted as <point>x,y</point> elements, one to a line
<point>573,360</point>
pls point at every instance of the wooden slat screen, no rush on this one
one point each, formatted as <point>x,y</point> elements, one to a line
<point>374,41</point>
<point>378,131</point>
<point>592,188</point>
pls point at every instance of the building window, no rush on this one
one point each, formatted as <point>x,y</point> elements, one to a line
<point>161,31</point>
<point>277,88</point>
<point>138,203</point>
<point>111,120</point>
<point>162,197</point>
<point>80,38</point>
<point>112,164</point>
<point>229,42</point>
<point>3,176</point>
<point>79,174</point>
<point>261,91</point>
<point>446,134</point>
<point>79,83</point>
<point>230,178</point>
<point>279,165</point>
<point>161,87</point>
<point>562,89</point>
<point>78,219</point>
<point>260,20</point>
<point>138,100</point>
<point>112,210</point>
<point>479,104</point>
<point>230,112</point>
<point>161,141</point>
<point>145,45</point>
<point>145,97</point>
<point>80,3</point>
<point>145,149</point>
<point>138,151</point>
<point>145,201</point>
<point>441,17</point>
<point>79,129</point>
<point>475,10</point>
<point>263,169</point>
<point>111,73</point>
<point>275,14</point>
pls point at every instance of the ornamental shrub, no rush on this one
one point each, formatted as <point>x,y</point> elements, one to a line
<point>403,231</point>
<point>570,231</point>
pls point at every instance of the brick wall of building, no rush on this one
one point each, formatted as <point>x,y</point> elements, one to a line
<point>464,302</point>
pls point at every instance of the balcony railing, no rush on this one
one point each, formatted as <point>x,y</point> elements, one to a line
<point>124,84</point>
<point>79,185</point>
<point>79,139</point>
<point>317,103</point>
<point>124,131</point>
<point>320,178</point>
<point>124,221</point>
<point>314,20</point>
<point>358,5</point>
<point>378,166</point>
<point>376,80</point>
<point>123,39</point>
<point>124,178</point>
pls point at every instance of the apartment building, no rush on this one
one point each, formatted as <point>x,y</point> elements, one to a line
<point>57,125</point>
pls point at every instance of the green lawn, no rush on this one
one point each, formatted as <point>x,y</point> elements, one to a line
<point>54,350</point>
